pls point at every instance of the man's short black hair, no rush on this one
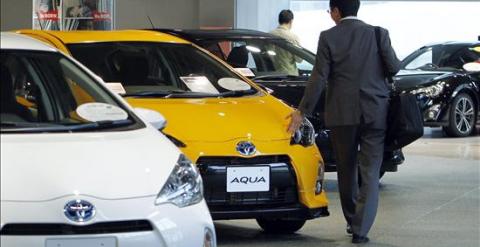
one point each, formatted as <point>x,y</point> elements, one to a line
<point>285,16</point>
<point>346,7</point>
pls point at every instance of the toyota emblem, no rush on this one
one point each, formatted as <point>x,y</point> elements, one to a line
<point>246,148</point>
<point>79,210</point>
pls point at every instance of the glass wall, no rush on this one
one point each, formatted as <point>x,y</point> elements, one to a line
<point>73,14</point>
<point>412,24</point>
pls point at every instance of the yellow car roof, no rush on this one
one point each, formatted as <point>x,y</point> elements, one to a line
<point>71,37</point>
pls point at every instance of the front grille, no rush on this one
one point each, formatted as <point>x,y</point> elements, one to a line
<point>283,183</point>
<point>65,229</point>
<point>243,161</point>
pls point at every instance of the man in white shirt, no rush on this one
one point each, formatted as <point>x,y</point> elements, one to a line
<point>284,60</point>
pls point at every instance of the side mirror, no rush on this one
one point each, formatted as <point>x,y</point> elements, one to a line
<point>154,118</point>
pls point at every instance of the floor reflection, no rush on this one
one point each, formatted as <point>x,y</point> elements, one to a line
<point>242,233</point>
<point>434,142</point>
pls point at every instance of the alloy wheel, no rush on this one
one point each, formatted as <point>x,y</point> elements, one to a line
<point>464,114</point>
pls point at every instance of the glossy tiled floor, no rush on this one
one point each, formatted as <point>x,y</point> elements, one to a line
<point>432,201</point>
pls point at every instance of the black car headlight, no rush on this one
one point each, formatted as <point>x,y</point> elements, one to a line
<point>305,135</point>
<point>431,91</point>
<point>184,185</point>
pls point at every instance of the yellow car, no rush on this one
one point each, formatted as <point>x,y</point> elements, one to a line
<point>233,130</point>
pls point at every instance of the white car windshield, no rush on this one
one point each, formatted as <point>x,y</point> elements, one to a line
<point>47,92</point>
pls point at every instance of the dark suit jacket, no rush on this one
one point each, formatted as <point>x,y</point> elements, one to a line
<point>348,58</point>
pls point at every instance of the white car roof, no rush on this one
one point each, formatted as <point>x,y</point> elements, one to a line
<point>22,42</point>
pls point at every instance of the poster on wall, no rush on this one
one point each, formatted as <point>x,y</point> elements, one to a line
<point>67,15</point>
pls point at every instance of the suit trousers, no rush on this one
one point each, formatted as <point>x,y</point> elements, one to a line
<point>359,150</point>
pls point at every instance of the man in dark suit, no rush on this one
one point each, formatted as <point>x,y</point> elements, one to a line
<point>350,67</point>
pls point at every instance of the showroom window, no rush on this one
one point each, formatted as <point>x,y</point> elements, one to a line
<point>69,15</point>
<point>412,24</point>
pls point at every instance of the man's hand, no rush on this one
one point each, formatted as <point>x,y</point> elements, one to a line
<point>295,122</point>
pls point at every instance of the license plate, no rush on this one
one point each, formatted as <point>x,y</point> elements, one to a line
<point>82,242</point>
<point>248,179</point>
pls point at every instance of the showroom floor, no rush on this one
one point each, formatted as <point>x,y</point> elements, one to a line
<point>432,201</point>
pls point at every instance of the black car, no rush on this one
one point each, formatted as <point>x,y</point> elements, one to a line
<point>448,93</point>
<point>268,61</point>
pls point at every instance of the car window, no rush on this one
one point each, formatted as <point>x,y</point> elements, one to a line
<point>265,57</point>
<point>451,56</point>
<point>45,89</point>
<point>216,50</point>
<point>461,57</point>
<point>421,60</point>
<point>151,67</point>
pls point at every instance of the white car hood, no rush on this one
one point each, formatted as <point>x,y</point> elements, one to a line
<point>105,165</point>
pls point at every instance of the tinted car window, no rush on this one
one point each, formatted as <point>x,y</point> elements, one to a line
<point>442,56</point>
<point>144,67</point>
<point>461,57</point>
<point>264,57</point>
<point>45,89</point>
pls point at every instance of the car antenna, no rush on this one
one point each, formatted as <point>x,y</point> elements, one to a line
<point>151,23</point>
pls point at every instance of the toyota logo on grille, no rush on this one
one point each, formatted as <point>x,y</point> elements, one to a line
<point>246,148</point>
<point>79,210</point>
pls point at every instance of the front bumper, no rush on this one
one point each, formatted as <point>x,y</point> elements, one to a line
<point>294,170</point>
<point>297,212</point>
<point>170,225</point>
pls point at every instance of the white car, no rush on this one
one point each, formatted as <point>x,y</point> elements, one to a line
<point>79,167</point>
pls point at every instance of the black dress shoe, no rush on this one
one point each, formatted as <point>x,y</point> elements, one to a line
<point>349,229</point>
<point>356,239</point>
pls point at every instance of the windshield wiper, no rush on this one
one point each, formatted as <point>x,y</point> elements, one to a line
<point>191,95</point>
<point>279,76</point>
<point>9,124</point>
<point>153,93</point>
<point>237,93</point>
<point>47,127</point>
<point>27,125</point>
<point>105,124</point>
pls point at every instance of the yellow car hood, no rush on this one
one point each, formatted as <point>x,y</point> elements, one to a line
<point>218,120</point>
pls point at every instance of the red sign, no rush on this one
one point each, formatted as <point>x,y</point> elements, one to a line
<point>49,15</point>
<point>101,16</point>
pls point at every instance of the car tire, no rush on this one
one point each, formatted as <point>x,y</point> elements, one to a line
<point>280,226</point>
<point>462,117</point>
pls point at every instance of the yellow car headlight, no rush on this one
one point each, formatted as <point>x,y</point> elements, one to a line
<point>305,135</point>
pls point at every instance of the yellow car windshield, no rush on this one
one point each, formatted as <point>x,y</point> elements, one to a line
<point>148,69</point>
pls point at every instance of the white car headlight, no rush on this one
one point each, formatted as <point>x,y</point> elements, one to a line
<point>184,186</point>
<point>305,135</point>
<point>431,91</point>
